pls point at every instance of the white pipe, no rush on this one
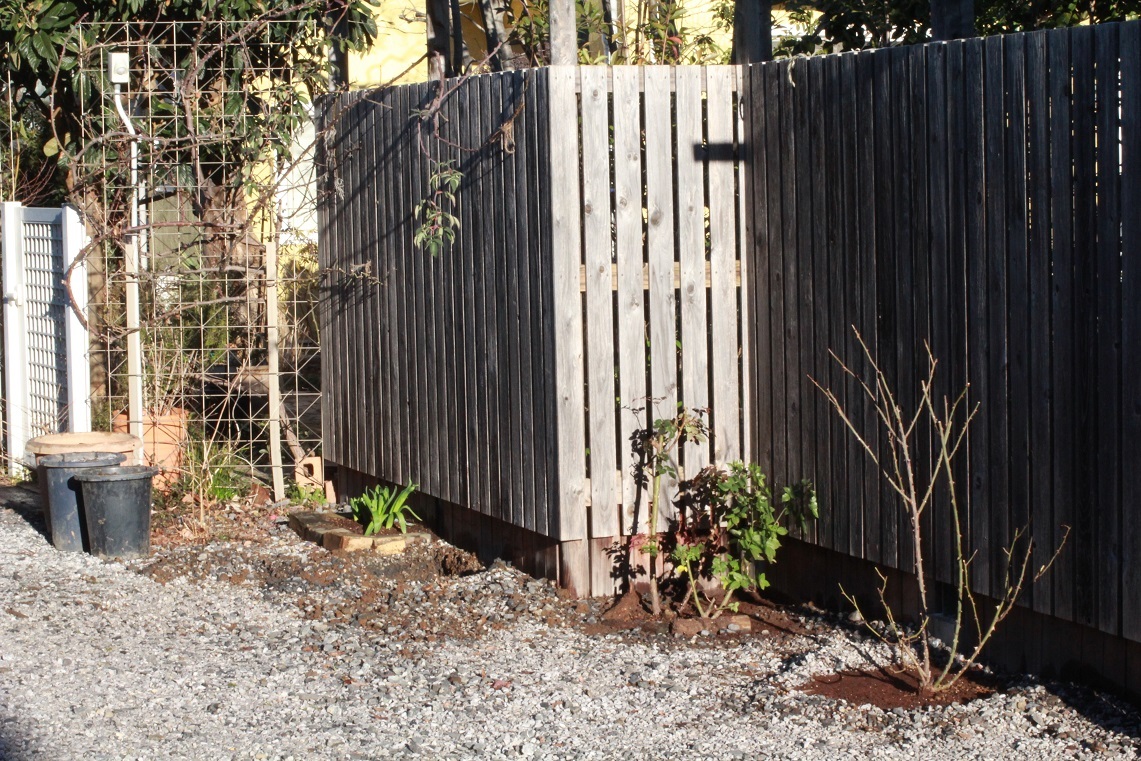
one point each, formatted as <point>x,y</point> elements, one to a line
<point>131,265</point>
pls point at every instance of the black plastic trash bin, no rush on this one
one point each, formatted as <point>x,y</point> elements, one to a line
<point>63,502</point>
<point>117,505</point>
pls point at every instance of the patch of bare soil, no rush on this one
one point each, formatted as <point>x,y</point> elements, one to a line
<point>887,689</point>
<point>239,542</point>
<point>630,614</point>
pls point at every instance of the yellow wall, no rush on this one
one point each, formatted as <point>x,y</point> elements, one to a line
<point>401,38</point>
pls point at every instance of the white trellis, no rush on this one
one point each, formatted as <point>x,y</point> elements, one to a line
<point>46,372</point>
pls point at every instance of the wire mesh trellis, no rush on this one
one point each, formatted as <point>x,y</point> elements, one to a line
<point>195,181</point>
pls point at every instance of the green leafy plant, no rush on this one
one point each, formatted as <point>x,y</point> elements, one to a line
<point>383,507</point>
<point>437,224</point>
<point>734,524</point>
<point>300,494</point>
<point>655,447</point>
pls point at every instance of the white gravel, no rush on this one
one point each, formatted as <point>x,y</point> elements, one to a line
<point>100,662</point>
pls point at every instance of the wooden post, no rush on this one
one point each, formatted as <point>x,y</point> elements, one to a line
<point>753,31</point>
<point>566,257</point>
<point>564,36</point>
<point>952,19</point>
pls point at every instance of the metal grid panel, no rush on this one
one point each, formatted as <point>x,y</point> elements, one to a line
<point>46,305</point>
<point>222,219</point>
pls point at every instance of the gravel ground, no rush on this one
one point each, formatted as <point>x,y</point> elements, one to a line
<point>240,650</point>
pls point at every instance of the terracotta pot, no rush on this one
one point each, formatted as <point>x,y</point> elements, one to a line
<point>164,438</point>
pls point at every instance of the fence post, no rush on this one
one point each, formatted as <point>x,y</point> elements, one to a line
<point>15,334</point>
<point>564,34</point>
<point>74,238</point>
<point>752,31</point>
<point>566,256</point>
<point>952,19</point>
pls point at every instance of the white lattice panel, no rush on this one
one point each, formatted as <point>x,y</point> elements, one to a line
<point>46,374</point>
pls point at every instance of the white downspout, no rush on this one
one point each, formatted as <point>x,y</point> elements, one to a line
<point>131,265</point>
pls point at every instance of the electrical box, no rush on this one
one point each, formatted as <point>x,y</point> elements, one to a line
<point>119,68</point>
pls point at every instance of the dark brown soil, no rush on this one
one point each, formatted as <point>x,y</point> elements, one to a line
<point>347,523</point>
<point>887,689</point>
<point>630,613</point>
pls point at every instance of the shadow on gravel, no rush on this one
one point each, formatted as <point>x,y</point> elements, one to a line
<point>1106,707</point>
<point>24,500</point>
<point>12,746</point>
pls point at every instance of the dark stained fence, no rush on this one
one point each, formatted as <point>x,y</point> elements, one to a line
<point>438,369</point>
<point>983,196</point>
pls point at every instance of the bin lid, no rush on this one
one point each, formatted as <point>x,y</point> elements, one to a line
<point>91,441</point>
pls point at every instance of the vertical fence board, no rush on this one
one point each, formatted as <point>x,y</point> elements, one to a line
<point>1108,299</point>
<point>1131,329</point>
<point>691,256</point>
<point>1085,324</point>
<point>352,199</point>
<point>480,236</point>
<point>998,388</point>
<point>979,503</point>
<point>722,266</point>
<point>921,308</point>
<point>763,163</point>
<point>799,274</point>
<point>509,318</point>
<point>368,192</point>
<point>795,182</point>
<point>1018,299</point>
<point>1062,316</point>
<point>1038,261</point>
<point>846,272</point>
<point>864,413</point>
<point>817,460</point>
<point>599,299</point>
<point>491,199</point>
<point>937,186</point>
<point>412,275</point>
<point>771,447</point>
<point>568,334</point>
<point>744,231</point>
<point>904,292</point>
<point>549,522</point>
<point>445,321</point>
<point>468,408</point>
<point>505,220</point>
<point>523,254</point>
<point>958,257</point>
<point>629,260</point>
<point>660,247</point>
<point>516,243</point>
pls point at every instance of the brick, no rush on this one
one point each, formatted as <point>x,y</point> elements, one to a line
<point>343,539</point>
<point>312,526</point>
<point>389,545</point>
<point>298,522</point>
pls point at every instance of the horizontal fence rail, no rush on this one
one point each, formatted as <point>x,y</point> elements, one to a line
<point>981,196</point>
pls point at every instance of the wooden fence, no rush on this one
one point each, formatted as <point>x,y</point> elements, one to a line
<point>985,196</point>
<point>438,369</point>
<point>596,265</point>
